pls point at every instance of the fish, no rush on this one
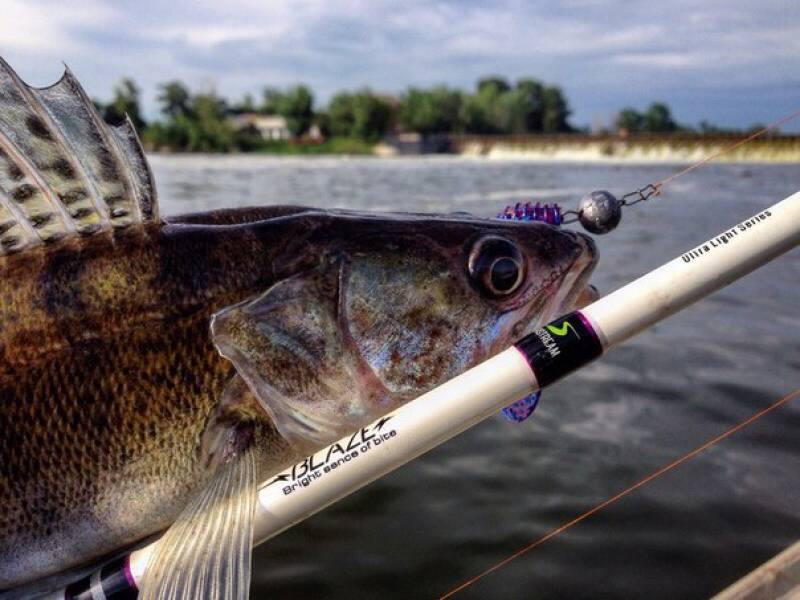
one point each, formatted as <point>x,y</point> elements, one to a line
<point>154,369</point>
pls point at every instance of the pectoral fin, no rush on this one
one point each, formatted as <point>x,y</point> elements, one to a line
<point>206,553</point>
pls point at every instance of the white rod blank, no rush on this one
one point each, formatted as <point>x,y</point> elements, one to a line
<point>697,273</point>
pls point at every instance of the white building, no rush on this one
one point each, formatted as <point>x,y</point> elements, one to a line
<point>271,127</point>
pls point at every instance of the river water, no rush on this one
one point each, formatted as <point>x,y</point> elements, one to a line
<point>464,506</point>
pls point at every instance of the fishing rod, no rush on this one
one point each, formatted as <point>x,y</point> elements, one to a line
<point>548,354</point>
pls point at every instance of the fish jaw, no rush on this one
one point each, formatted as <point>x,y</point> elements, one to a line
<point>574,291</point>
<point>589,295</point>
<point>571,291</point>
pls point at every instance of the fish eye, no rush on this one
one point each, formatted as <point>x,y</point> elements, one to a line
<point>496,266</point>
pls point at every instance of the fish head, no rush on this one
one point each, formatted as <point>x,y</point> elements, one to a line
<point>395,305</point>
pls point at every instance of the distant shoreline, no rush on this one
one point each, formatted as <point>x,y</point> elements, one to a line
<point>643,149</point>
<point>634,148</point>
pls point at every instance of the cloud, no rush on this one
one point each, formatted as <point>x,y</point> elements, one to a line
<point>711,60</point>
<point>41,28</point>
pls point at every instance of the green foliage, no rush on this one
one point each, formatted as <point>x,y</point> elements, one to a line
<point>475,115</point>
<point>271,101</point>
<point>483,112</point>
<point>494,85</point>
<point>358,119</point>
<point>210,131</point>
<point>323,122</point>
<point>630,120</point>
<point>521,109</point>
<point>360,115</point>
<point>174,98</point>
<point>334,145</point>
<point>297,107</point>
<point>430,111</point>
<point>124,102</point>
<point>555,111</point>
<point>529,107</point>
<point>340,114</point>
<point>532,91</point>
<point>658,119</point>
<point>194,123</point>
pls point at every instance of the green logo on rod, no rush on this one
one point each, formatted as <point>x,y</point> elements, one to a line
<point>562,331</point>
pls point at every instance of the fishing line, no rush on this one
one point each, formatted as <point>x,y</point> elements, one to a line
<point>727,149</point>
<point>653,475</point>
<point>654,189</point>
<point>600,211</point>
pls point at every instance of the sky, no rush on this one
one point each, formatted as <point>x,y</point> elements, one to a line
<point>731,62</point>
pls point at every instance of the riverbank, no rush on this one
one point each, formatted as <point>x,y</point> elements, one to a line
<point>667,148</point>
<point>635,149</point>
<point>331,146</point>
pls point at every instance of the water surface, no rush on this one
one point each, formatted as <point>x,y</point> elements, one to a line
<point>447,516</point>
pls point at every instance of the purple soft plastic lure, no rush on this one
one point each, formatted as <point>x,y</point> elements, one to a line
<point>522,409</point>
<point>532,212</point>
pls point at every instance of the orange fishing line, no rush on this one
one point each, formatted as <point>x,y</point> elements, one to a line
<point>654,475</point>
<point>727,149</point>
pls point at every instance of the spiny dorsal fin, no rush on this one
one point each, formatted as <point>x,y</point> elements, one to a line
<point>62,169</point>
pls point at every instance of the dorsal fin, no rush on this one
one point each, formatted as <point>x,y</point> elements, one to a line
<point>63,171</point>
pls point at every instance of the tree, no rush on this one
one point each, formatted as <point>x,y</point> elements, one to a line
<point>174,98</point>
<point>630,120</point>
<point>554,110</point>
<point>125,102</point>
<point>430,111</point>
<point>474,115</point>
<point>323,122</point>
<point>297,107</point>
<point>531,92</point>
<point>519,110</point>
<point>657,119</point>
<point>340,114</point>
<point>361,114</point>
<point>494,84</point>
<point>271,101</point>
<point>195,123</point>
<point>209,131</point>
<point>496,108</point>
<point>371,116</point>
<point>482,113</point>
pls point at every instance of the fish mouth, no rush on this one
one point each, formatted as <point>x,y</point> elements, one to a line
<point>572,291</point>
<point>586,297</point>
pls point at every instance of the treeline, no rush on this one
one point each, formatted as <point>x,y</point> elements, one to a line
<point>201,121</point>
<point>657,118</point>
<point>354,120</point>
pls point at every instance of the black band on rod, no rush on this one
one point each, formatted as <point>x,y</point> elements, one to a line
<point>560,347</point>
